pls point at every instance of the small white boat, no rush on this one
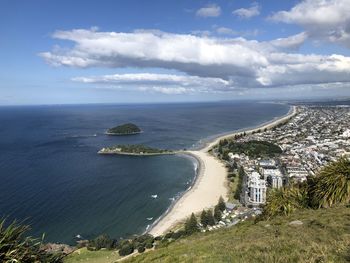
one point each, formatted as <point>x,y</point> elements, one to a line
<point>149,218</point>
<point>154,196</point>
<point>79,236</point>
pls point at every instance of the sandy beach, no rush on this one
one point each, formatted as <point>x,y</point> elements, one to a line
<point>210,183</point>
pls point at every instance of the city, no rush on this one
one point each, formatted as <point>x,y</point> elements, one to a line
<point>314,136</point>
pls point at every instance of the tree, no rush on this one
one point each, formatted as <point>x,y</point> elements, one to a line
<point>239,187</point>
<point>204,218</point>
<point>141,249</point>
<point>221,204</point>
<point>331,185</point>
<point>102,241</point>
<point>191,225</point>
<point>217,213</point>
<point>211,220</point>
<point>127,249</point>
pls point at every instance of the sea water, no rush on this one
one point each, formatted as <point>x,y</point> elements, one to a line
<point>52,177</point>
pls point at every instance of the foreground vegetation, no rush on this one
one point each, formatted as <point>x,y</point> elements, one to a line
<point>331,186</point>
<point>309,222</point>
<point>15,246</point>
<point>125,129</point>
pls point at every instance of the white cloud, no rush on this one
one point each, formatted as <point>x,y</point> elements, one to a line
<point>226,31</point>
<point>291,42</point>
<point>203,56</point>
<point>166,90</point>
<point>324,19</point>
<point>252,11</point>
<point>151,79</point>
<point>209,11</point>
<point>209,63</point>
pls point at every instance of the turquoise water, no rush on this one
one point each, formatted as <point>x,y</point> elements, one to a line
<point>51,175</point>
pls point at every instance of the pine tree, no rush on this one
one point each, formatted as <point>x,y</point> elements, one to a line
<point>221,204</point>
<point>191,225</point>
<point>217,213</point>
<point>211,220</point>
<point>204,218</point>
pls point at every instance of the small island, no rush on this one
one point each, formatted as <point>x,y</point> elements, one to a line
<point>124,129</point>
<point>135,150</point>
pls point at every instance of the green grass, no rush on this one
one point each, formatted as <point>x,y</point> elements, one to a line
<point>323,237</point>
<point>86,256</point>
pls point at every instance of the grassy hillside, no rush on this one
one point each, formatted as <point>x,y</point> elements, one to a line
<point>324,236</point>
<point>85,256</point>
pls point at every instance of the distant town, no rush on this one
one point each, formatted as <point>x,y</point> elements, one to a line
<point>314,136</point>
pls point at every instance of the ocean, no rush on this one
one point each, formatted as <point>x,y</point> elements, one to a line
<point>52,177</point>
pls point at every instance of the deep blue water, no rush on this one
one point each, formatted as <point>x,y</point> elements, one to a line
<point>51,175</point>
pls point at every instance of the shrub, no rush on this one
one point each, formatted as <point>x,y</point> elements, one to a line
<point>149,245</point>
<point>126,250</point>
<point>178,234</point>
<point>141,249</point>
<point>144,238</point>
<point>16,247</point>
<point>284,201</point>
<point>103,241</point>
<point>168,235</point>
<point>332,185</point>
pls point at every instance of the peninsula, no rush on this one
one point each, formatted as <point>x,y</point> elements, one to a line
<point>135,150</point>
<point>124,129</point>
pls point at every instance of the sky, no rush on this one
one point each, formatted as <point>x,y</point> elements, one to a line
<point>136,51</point>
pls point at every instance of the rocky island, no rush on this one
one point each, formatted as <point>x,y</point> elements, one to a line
<point>135,149</point>
<point>124,129</point>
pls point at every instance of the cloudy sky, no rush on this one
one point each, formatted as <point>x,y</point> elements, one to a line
<point>169,51</point>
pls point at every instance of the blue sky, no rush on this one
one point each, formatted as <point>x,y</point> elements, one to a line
<point>56,52</point>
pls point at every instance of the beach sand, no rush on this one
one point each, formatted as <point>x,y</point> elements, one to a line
<point>210,183</point>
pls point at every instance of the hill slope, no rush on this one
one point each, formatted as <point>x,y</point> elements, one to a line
<point>324,236</point>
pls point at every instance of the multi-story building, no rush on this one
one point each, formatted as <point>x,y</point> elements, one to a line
<point>256,189</point>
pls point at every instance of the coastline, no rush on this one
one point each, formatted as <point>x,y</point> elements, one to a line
<point>135,154</point>
<point>268,125</point>
<point>122,134</point>
<point>210,181</point>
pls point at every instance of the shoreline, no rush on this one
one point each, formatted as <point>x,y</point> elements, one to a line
<point>268,125</point>
<point>121,134</point>
<point>173,203</point>
<point>136,154</point>
<point>210,181</point>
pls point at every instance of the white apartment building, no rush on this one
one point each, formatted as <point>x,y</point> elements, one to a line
<point>257,189</point>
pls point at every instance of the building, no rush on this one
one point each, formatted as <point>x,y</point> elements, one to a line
<point>256,189</point>
<point>297,173</point>
<point>273,177</point>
